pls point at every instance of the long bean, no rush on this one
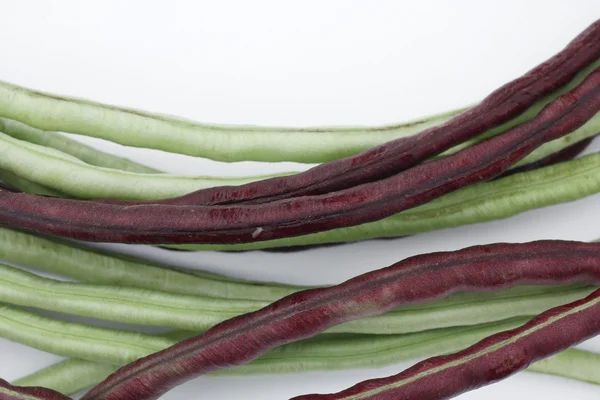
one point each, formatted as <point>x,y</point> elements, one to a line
<point>342,352</point>
<point>386,160</point>
<point>61,176</point>
<point>10,392</point>
<point>69,175</point>
<point>479,203</point>
<point>163,224</point>
<point>490,360</point>
<point>501,110</point>
<point>92,156</point>
<point>305,314</point>
<point>566,154</point>
<point>26,185</point>
<point>219,142</point>
<point>157,308</point>
<point>94,266</point>
<point>59,142</point>
<point>332,352</point>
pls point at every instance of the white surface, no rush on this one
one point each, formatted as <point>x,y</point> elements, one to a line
<point>299,63</point>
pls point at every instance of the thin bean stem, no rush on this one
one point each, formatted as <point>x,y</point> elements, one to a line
<point>195,313</point>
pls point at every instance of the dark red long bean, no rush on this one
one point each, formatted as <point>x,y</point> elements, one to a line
<point>492,359</point>
<point>304,314</point>
<point>162,224</point>
<point>567,154</point>
<point>10,392</point>
<point>398,155</point>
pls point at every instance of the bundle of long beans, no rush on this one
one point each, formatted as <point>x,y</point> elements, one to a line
<point>513,151</point>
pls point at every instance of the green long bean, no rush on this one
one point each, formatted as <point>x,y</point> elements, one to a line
<point>27,186</point>
<point>90,265</point>
<point>225,143</point>
<point>92,156</point>
<point>560,183</point>
<point>82,263</point>
<point>59,142</point>
<point>322,353</point>
<point>196,313</point>
<point>69,175</point>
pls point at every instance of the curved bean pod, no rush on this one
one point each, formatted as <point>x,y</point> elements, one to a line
<point>493,359</point>
<point>496,113</point>
<point>161,224</point>
<point>343,141</point>
<point>19,184</point>
<point>139,128</point>
<point>128,305</point>
<point>63,176</point>
<point>382,161</point>
<point>566,154</point>
<point>308,313</point>
<point>94,266</point>
<point>10,392</point>
<point>59,142</point>
<point>479,203</point>
<point>344,352</point>
<point>70,175</point>
<point>195,313</point>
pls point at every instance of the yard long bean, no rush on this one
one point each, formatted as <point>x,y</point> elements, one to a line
<point>342,352</point>
<point>195,313</point>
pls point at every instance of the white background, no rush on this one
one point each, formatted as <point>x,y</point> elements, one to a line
<point>298,63</point>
